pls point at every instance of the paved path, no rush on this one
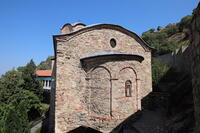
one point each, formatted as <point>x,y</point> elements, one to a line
<point>151,122</point>
<point>146,121</point>
<point>34,128</point>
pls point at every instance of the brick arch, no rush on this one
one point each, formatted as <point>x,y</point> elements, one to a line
<point>127,74</point>
<point>100,92</point>
<point>130,67</point>
<point>136,72</point>
<point>103,67</point>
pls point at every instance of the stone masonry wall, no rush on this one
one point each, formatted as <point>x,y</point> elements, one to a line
<point>93,94</point>
<point>179,59</point>
<point>195,48</point>
<point>52,101</point>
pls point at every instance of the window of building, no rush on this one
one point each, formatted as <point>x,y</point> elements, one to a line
<point>49,83</point>
<point>113,43</point>
<point>45,83</point>
<point>128,88</point>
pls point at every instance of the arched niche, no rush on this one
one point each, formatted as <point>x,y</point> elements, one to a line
<point>100,92</point>
<point>126,96</point>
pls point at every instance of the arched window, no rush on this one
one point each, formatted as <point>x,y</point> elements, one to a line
<point>128,88</point>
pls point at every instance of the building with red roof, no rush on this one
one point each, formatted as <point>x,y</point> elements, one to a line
<point>45,77</point>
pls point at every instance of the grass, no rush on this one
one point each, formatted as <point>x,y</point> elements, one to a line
<point>38,130</point>
<point>44,108</point>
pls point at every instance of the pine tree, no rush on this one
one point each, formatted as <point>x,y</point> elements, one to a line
<point>30,81</point>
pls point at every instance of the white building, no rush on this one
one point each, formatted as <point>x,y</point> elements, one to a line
<point>45,77</point>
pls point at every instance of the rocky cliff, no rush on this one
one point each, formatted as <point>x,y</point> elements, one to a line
<point>195,47</point>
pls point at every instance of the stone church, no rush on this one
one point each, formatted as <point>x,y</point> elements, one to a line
<point>100,75</point>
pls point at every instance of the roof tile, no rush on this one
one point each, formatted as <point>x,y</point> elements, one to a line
<point>43,73</point>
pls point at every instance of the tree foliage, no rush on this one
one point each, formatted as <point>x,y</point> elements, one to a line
<point>159,69</point>
<point>171,29</point>
<point>10,84</point>
<point>185,22</point>
<point>20,99</point>
<point>30,102</point>
<point>161,40</point>
<point>16,120</point>
<point>30,81</point>
<point>45,65</point>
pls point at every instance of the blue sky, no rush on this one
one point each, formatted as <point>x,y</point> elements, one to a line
<point>27,26</point>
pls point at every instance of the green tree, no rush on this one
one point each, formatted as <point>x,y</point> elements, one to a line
<point>3,112</point>
<point>30,81</point>
<point>150,38</point>
<point>18,99</point>
<point>45,65</point>
<point>22,107</point>
<point>159,69</point>
<point>10,83</point>
<point>171,29</point>
<point>159,41</point>
<point>167,46</point>
<point>30,101</point>
<point>167,39</point>
<point>16,120</point>
<point>185,22</point>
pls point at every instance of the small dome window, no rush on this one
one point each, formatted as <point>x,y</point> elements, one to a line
<point>113,42</point>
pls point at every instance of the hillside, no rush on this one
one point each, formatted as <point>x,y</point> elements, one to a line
<point>45,65</point>
<point>167,39</point>
<point>167,79</point>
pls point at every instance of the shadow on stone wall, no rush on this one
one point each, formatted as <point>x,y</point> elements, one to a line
<point>169,111</point>
<point>146,120</point>
<point>84,129</point>
<point>127,125</point>
<point>150,119</point>
<point>157,116</point>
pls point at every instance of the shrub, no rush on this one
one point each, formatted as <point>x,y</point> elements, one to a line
<point>185,22</point>
<point>159,41</point>
<point>159,69</point>
<point>38,130</point>
<point>171,29</point>
<point>184,43</point>
<point>45,65</point>
<point>167,47</point>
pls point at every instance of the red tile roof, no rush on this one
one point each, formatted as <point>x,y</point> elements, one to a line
<point>43,73</point>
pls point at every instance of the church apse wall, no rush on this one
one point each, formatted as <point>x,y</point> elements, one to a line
<point>102,73</point>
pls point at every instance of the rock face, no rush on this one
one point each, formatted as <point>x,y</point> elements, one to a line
<point>101,73</point>
<point>195,48</point>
